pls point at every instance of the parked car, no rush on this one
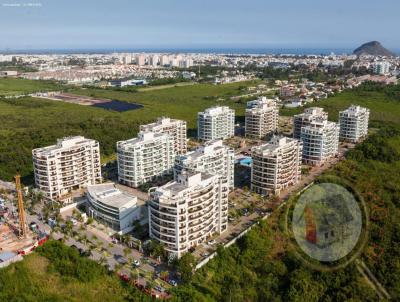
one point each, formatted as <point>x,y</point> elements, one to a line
<point>121,260</point>
<point>173,282</point>
<point>136,263</point>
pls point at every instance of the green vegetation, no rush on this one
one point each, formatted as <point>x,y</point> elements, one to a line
<point>28,123</point>
<point>263,267</point>
<point>382,101</point>
<point>16,86</point>
<point>58,273</point>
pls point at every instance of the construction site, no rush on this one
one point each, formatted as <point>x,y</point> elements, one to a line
<point>15,235</point>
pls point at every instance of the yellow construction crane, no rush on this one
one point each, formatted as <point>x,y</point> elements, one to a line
<point>21,211</point>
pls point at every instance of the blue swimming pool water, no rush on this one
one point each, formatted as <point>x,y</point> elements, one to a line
<point>247,161</point>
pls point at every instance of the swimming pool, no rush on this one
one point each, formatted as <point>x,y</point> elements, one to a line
<point>246,161</point>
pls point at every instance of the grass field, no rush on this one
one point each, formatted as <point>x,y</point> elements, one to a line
<point>15,86</point>
<point>181,102</point>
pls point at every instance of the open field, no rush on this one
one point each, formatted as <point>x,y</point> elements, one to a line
<point>15,86</point>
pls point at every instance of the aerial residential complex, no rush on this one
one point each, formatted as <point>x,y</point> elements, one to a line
<point>320,141</point>
<point>143,158</point>
<point>213,157</point>
<point>110,206</point>
<point>216,123</point>
<point>304,119</point>
<point>276,165</point>
<point>173,127</point>
<point>261,118</point>
<point>353,123</point>
<point>188,211</point>
<point>71,164</point>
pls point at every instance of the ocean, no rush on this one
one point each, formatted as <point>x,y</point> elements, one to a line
<point>248,51</point>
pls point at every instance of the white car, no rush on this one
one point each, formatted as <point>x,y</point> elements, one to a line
<point>136,262</point>
<point>74,221</point>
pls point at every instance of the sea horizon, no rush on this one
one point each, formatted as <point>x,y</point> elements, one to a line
<point>212,50</point>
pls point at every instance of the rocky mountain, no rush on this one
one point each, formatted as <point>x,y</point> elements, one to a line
<point>373,48</point>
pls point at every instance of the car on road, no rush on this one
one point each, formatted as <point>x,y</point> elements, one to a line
<point>212,242</point>
<point>136,263</point>
<point>159,288</point>
<point>121,260</point>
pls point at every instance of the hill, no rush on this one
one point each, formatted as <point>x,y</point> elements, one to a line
<point>373,48</point>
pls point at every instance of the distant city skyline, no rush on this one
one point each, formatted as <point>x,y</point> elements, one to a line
<point>173,24</point>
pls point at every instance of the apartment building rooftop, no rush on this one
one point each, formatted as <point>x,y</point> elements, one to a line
<point>208,148</point>
<point>63,143</point>
<point>161,121</point>
<point>109,195</point>
<point>143,137</point>
<point>273,145</point>
<point>355,110</point>
<point>185,180</point>
<point>216,110</point>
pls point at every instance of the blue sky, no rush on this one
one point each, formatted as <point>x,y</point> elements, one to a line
<point>201,23</point>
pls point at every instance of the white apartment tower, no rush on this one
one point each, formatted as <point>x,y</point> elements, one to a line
<point>353,123</point>
<point>214,158</point>
<point>261,118</point>
<point>71,164</point>
<point>320,142</point>
<point>188,211</point>
<point>140,59</point>
<point>216,123</point>
<point>175,128</point>
<point>304,119</point>
<point>276,165</point>
<point>143,158</point>
<point>382,67</point>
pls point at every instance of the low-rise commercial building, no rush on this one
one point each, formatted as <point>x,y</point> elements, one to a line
<point>172,127</point>
<point>353,123</point>
<point>216,123</point>
<point>276,165</point>
<point>304,119</point>
<point>112,207</point>
<point>71,164</point>
<point>213,157</point>
<point>320,142</point>
<point>188,211</point>
<point>261,118</point>
<point>144,158</point>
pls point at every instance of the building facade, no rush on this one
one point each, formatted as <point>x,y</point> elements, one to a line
<point>261,118</point>
<point>172,127</point>
<point>353,123</point>
<point>320,142</point>
<point>214,158</point>
<point>71,164</point>
<point>112,207</point>
<point>382,68</point>
<point>188,211</point>
<point>304,119</point>
<point>276,165</point>
<point>216,123</point>
<point>144,158</point>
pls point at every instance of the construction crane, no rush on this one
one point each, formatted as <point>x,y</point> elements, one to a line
<point>21,211</point>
